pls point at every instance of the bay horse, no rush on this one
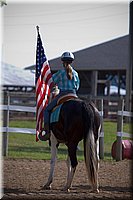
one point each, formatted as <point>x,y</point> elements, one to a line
<point>77,120</point>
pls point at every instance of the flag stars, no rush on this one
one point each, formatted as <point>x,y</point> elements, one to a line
<point>40,57</point>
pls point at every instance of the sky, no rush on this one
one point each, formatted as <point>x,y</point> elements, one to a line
<point>67,26</point>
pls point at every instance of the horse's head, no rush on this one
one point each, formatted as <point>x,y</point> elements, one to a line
<point>54,92</point>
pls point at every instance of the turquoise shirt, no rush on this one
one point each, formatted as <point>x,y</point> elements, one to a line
<point>60,78</point>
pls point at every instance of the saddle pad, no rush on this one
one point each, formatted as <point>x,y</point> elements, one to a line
<point>54,117</point>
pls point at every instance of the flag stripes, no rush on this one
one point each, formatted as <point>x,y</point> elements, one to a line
<point>44,83</point>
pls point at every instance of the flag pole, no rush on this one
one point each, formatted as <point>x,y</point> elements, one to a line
<point>37,132</point>
<point>37,27</point>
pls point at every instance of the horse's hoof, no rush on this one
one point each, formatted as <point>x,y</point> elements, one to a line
<point>68,190</point>
<point>94,191</point>
<point>46,187</point>
<point>65,189</point>
<point>97,190</point>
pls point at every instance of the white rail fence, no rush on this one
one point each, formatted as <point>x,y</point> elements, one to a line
<point>9,108</point>
<point>120,133</point>
<point>6,129</point>
<point>30,109</point>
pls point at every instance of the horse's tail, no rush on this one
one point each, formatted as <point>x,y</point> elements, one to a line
<point>90,148</point>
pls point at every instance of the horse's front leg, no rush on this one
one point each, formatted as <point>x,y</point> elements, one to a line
<point>52,162</point>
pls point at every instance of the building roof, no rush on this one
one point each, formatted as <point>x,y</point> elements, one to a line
<point>111,55</point>
<point>12,75</point>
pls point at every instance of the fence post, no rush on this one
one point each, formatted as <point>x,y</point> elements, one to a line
<point>6,124</point>
<point>101,138</point>
<point>119,130</point>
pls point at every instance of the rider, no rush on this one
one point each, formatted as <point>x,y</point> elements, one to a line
<point>67,80</point>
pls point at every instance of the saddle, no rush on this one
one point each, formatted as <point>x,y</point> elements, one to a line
<point>66,97</point>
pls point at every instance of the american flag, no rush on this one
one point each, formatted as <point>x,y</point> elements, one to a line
<point>44,83</point>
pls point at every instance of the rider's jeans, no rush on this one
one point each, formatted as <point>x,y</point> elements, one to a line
<point>50,106</point>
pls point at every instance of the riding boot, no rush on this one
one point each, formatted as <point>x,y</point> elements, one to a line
<point>44,135</point>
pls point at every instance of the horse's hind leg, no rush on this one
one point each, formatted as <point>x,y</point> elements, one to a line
<point>68,162</point>
<point>71,164</point>
<point>52,163</point>
<point>69,174</point>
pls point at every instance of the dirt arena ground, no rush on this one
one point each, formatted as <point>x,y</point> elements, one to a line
<point>23,180</point>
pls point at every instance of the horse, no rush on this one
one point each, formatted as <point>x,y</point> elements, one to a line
<point>78,120</point>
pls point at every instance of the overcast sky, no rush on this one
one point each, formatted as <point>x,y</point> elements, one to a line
<point>63,26</point>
